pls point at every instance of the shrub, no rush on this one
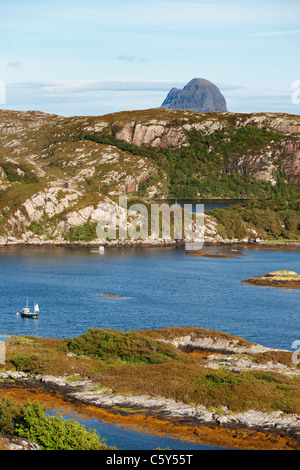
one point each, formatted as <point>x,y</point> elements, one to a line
<point>221,379</point>
<point>126,346</point>
<point>11,413</point>
<point>24,362</point>
<point>25,176</point>
<point>85,232</point>
<point>55,433</point>
<point>37,228</point>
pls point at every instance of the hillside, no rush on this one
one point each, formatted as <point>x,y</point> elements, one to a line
<point>60,176</point>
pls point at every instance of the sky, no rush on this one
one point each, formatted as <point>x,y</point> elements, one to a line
<point>94,57</point>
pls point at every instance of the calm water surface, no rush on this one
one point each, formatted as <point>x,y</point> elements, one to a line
<point>159,287</point>
<point>129,438</point>
<point>162,287</point>
<point>193,204</point>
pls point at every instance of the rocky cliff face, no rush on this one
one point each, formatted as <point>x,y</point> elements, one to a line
<point>198,95</point>
<point>267,162</point>
<point>55,173</point>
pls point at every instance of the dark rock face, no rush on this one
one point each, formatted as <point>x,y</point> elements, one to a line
<point>198,95</point>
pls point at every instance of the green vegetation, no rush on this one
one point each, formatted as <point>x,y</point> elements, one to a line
<point>37,228</point>
<point>50,433</point>
<point>20,173</point>
<point>130,347</point>
<point>276,218</point>
<point>143,363</point>
<point>201,168</point>
<point>85,232</point>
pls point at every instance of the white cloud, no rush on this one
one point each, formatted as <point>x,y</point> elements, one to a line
<point>131,58</point>
<point>274,33</point>
<point>14,64</point>
<point>84,86</point>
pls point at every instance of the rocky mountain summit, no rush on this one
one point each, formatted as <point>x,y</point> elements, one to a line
<point>60,176</point>
<point>199,95</point>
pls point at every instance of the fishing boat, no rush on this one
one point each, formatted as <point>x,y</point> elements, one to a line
<point>27,313</point>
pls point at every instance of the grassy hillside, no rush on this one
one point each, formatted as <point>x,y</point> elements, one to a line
<point>144,362</point>
<point>201,168</point>
<point>147,154</point>
<point>276,218</point>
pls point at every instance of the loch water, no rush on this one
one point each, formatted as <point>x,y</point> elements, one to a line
<point>153,288</point>
<point>148,288</point>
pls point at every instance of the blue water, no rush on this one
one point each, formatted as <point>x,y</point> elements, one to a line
<point>195,204</point>
<point>128,438</point>
<point>164,287</point>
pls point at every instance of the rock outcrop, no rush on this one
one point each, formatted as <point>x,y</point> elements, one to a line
<point>198,95</point>
<point>55,173</point>
<point>17,443</point>
<point>219,352</point>
<point>282,278</point>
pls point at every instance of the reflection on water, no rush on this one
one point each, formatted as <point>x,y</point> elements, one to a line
<point>129,438</point>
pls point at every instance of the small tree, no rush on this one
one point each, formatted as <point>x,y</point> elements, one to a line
<point>55,433</point>
<point>11,413</point>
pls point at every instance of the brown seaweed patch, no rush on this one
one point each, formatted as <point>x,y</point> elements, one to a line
<point>111,296</point>
<point>217,254</point>
<point>232,438</point>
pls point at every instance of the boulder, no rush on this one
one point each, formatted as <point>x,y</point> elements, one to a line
<point>17,443</point>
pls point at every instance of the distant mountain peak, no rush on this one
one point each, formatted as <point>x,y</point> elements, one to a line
<point>198,95</point>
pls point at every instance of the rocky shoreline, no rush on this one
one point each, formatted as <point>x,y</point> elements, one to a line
<point>158,244</point>
<point>270,427</point>
<point>245,429</point>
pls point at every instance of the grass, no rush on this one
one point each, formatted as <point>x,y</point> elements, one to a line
<point>129,347</point>
<point>139,362</point>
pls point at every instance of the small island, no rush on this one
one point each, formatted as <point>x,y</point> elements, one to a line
<point>280,278</point>
<point>196,385</point>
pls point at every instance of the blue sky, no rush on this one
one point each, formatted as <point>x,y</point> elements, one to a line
<point>94,57</point>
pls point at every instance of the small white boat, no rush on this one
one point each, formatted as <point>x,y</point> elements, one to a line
<point>100,250</point>
<point>27,313</point>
